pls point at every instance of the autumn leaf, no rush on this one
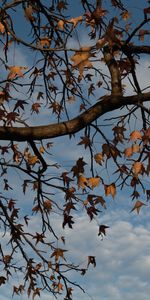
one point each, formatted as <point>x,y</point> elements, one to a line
<point>99,158</point>
<point>102,230</point>
<point>110,190</point>
<point>146,137</point>
<point>45,42</point>
<point>136,148</point>
<point>15,71</point>
<point>125,15</point>
<point>91,211</point>
<point>47,205</point>
<point>137,168</point>
<point>82,182</point>
<point>61,24</point>
<point>36,107</point>
<point>81,59</point>
<point>58,253</point>
<point>85,141</point>
<point>67,221</point>
<point>135,135</point>
<point>2,28</point>
<point>32,159</point>
<point>29,13</point>
<point>91,260</point>
<point>138,206</point>
<point>75,21</point>
<point>94,182</point>
<point>128,152</point>
<point>2,280</point>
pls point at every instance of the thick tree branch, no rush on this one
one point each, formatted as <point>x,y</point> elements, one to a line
<point>109,103</point>
<point>132,49</point>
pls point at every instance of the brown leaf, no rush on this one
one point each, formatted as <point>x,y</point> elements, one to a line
<point>94,182</point>
<point>28,13</point>
<point>85,141</point>
<point>99,158</point>
<point>58,253</point>
<point>81,59</point>
<point>16,71</point>
<point>138,206</point>
<point>125,15</point>
<point>102,230</point>
<point>110,190</point>
<point>2,280</point>
<point>75,21</point>
<point>2,28</point>
<point>137,168</point>
<point>47,205</point>
<point>67,220</point>
<point>82,182</point>
<point>91,260</point>
<point>36,107</point>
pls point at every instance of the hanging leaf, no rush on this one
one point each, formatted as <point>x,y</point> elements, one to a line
<point>135,135</point>
<point>138,206</point>
<point>94,182</point>
<point>102,230</point>
<point>110,190</point>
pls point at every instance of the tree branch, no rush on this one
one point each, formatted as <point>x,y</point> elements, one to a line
<point>109,103</point>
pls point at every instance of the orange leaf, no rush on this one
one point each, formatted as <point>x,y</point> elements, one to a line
<point>82,182</point>
<point>16,71</point>
<point>125,15</point>
<point>41,150</point>
<point>138,206</point>
<point>128,152</point>
<point>136,148</point>
<point>99,158</point>
<point>135,135</point>
<point>61,24</point>
<point>94,182</point>
<point>137,168</point>
<point>110,190</point>
<point>2,28</point>
<point>75,20</point>
<point>81,59</point>
<point>32,160</point>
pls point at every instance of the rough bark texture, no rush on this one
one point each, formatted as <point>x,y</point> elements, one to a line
<point>108,104</point>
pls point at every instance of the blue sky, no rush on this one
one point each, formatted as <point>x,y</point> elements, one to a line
<point>123,256</point>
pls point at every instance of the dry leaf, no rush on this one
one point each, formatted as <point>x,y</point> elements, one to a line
<point>128,152</point>
<point>99,158</point>
<point>82,182</point>
<point>61,24</point>
<point>135,135</point>
<point>75,21</point>
<point>136,148</point>
<point>32,160</point>
<point>28,13</point>
<point>102,230</point>
<point>42,150</point>
<point>110,190</point>
<point>137,168</point>
<point>16,71</point>
<point>47,204</point>
<point>125,15</point>
<point>93,182</point>
<point>2,28</point>
<point>81,59</point>
<point>138,206</point>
